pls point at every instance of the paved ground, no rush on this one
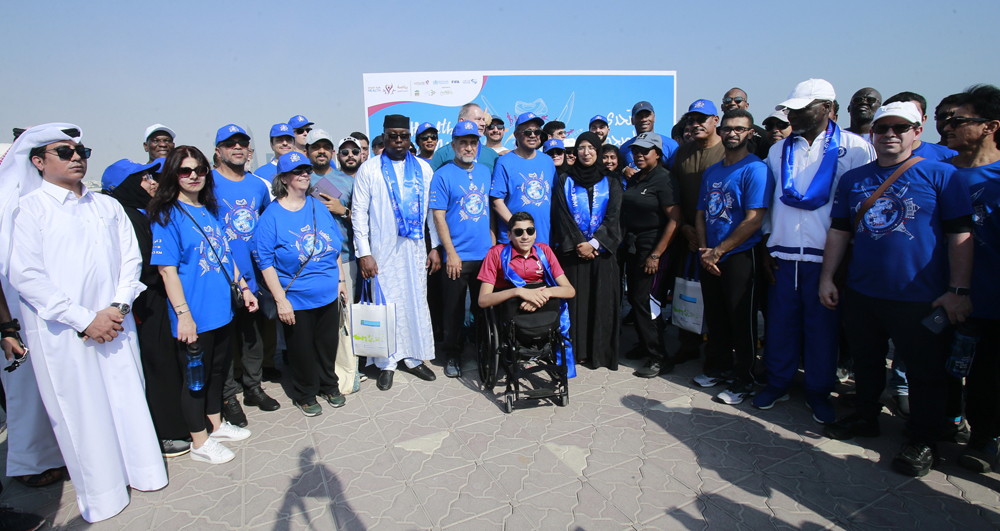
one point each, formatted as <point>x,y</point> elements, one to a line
<point>625,454</point>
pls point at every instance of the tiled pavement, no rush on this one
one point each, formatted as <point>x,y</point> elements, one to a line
<point>624,454</point>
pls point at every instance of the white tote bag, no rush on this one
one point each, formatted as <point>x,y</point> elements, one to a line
<point>688,304</point>
<point>373,323</point>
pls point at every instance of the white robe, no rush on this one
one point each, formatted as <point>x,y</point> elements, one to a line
<point>31,443</point>
<point>72,257</point>
<point>401,261</point>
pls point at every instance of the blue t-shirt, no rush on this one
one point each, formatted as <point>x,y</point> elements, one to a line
<point>445,154</point>
<point>267,171</point>
<point>669,148</point>
<point>344,183</point>
<point>935,152</point>
<point>206,288</point>
<point>240,205</point>
<point>463,195</point>
<point>900,247</point>
<point>984,187</point>
<point>727,192</point>
<point>285,239</point>
<point>525,185</point>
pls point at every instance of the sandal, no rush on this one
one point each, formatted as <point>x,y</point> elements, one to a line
<point>50,476</point>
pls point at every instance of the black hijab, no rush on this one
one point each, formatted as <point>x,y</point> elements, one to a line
<point>130,193</point>
<point>588,176</point>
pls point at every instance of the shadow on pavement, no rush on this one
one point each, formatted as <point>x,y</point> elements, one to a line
<point>303,487</point>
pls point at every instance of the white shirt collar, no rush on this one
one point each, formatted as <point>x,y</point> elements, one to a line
<point>61,194</point>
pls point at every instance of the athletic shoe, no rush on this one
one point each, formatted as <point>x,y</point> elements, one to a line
<point>257,397</point>
<point>13,520</point>
<point>915,459</point>
<point>981,456</point>
<point>822,410</point>
<point>233,413</point>
<point>853,425</point>
<point>171,448</point>
<point>769,396</point>
<point>311,409</point>
<point>212,452</point>
<point>713,379</point>
<point>228,432</point>
<point>736,393</point>
<point>452,369</point>
<point>337,400</point>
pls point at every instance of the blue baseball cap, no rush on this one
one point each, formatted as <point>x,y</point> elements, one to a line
<point>298,121</point>
<point>642,106</point>
<point>465,128</point>
<point>281,130</point>
<point>526,117</point>
<point>705,107</point>
<point>599,118</point>
<point>228,131</point>
<point>291,160</point>
<point>425,126</point>
<point>552,143</point>
<point>119,171</point>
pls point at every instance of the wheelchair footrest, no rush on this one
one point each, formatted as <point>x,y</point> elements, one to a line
<point>536,394</point>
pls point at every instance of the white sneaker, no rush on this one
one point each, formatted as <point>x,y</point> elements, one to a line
<point>228,432</point>
<point>212,452</point>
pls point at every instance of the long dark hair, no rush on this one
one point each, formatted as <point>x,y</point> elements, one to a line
<point>166,195</point>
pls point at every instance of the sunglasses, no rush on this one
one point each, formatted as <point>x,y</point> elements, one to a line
<point>858,100</point>
<point>18,359</point>
<point>532,132</point>
<point>520,232</point>
<point>301,130</point>
<point>733,100</point>
<point>397,136</point>
<point>66,152</point>
<point>940,117</point>
<point>350,151</point>
<point>425,138</point>
<point>955,122</point>
<point>300,171</point>
<point>775,124</point>
<point>881,129</point>
<point>738,130</point>
<point>185,172</point>
<point>234,143</point>
<point>641,150</point>
<point>495,126</point>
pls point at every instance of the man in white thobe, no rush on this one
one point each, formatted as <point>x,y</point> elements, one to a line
<point>401,262</point>
<point>75,262</point>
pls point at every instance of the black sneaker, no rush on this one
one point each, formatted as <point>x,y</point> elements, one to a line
<point>11,520</point>
<point>171,448</point>
<point>853,425</point>
<point>233,413</point>
<point>981,456</point>
<point>960,434</point>
<point>915,459</point>
<point>257,397</point>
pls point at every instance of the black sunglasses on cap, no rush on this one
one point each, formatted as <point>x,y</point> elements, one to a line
<point>66,152</point>
<point>519,231</point>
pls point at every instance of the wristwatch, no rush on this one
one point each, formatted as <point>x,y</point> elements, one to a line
<point>122,307</point>
<point>654,256</point>
<point>962,292</point>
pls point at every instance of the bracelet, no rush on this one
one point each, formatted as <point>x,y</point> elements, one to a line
<point>180,313</point>
<point>180,305</point>
<point>244,288</point>
<point>343,282</point>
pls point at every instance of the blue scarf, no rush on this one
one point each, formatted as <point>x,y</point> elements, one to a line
<point>515,279</point>
<point>588,217</point>
<point>408,205</point>
<point>819,190</point>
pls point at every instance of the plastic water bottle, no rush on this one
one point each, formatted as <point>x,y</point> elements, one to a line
<point>963,349</point>
<point>195,368</point>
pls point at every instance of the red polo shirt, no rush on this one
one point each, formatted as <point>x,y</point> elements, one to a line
<point>529,268</point>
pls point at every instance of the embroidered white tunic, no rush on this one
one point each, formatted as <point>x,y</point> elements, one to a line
<point>71,258</point>
<point>401,261</point>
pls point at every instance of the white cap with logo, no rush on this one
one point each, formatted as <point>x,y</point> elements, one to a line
<point>807,92</point>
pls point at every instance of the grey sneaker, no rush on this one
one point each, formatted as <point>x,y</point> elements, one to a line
<point>452,369</point>
<point>311,409</point>
<point>337,400</point>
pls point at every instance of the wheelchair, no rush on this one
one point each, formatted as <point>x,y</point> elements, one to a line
<point>523,346</point>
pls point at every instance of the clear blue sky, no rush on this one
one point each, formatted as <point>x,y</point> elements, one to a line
<point>115,67</point>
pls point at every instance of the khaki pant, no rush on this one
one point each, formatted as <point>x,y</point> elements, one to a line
<point>347,362</point>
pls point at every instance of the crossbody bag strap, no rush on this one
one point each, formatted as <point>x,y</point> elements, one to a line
<point>858,216</point>
<point>208,241</point>
<point>315,235</point>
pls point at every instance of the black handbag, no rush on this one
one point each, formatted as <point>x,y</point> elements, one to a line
<point>235,292</point>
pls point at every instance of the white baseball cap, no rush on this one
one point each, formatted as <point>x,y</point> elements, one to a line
<point>316,135</point>
<point>807,92</point>
<point>906,110</point>
<point>348,140</point>
<point>159,127</point>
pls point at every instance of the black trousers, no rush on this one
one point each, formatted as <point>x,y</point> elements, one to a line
<point>312,352</point>
<point>870,324</point>
<point>453,305</point>
<point>217,357</point>
<point>982,407</point>
<point>248,353</point>
<point>731,302</point>
<point>639,285</point>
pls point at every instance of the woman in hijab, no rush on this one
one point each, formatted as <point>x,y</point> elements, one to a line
<point>587,203</point>
<point>133,185</point>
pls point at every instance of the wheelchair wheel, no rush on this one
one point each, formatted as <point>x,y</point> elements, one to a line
<point>488,349</point>
<point>508,405</point>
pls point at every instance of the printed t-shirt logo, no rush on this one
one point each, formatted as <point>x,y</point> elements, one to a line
<point>207,260</point>
<point>242,217</point>
<point>889,213</point>
<point>473,203</point>
<point>534,190</point>
<point>719,201</point>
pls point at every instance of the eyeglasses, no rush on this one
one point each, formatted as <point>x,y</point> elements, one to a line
<point>955,121</point>
<point>881,129</point>
<point>738,130</point>
<point>585,147</point>
<point>737,101</point>
<point>531,132</point>
<point>66,152</point>
<point>495,126</point>
<point>301,130</point>
<point>350,151</point>
<point>154,177</point>
<point>392,137</point>
<point>520,232</point>
<point>425,138</point>
<point>233,143</point>
<point>300,171</point>
<point>870,100</point>
<point>185,172</point>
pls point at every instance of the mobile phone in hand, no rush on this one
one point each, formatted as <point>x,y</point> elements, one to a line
<point>937,320</point>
